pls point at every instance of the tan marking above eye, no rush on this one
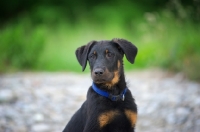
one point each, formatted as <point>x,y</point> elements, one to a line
<point>106,117</point>
<point>94,52</point>
<point>132,116</point>
<point>106,51</point>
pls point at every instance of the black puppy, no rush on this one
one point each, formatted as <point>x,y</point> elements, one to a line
<point>110,106</point>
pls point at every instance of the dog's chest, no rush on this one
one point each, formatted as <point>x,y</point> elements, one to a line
<point>118,119</point>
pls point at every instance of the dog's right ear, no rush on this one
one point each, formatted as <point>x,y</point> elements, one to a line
<point>128,48</point>
<point>82,54</point>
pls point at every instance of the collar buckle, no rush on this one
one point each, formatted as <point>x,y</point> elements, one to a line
<point>116,97</point>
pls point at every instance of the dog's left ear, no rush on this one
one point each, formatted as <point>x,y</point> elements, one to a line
<point>129,49</point>
<point>82,54</point>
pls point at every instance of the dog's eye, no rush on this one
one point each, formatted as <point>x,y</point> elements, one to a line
<point>109,54</point>
<point>92,56</point>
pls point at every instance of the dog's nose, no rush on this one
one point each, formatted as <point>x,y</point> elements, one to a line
<point>98,71</point>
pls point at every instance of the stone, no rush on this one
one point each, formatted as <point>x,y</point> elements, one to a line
<point>41,128</point>
<point>7,96</point>
<point>45,102</point>
<point>38,117</point>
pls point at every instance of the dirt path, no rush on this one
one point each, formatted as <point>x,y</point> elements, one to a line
<point>44,102</point>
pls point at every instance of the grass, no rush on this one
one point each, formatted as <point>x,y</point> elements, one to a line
<point>49,44</point>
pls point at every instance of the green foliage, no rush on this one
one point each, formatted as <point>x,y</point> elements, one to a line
<point>20,46</point>
<point>170,43</point>
<point>46,38</point>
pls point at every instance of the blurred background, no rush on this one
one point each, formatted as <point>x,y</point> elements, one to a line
<point>42,35</point>
<point>40,82</point>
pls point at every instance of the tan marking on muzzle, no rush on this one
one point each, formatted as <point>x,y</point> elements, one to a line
<point>118,64</point>
<point>115,79</point>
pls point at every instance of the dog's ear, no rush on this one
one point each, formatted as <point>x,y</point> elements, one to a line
<point>82,54</point>
<point>129,49</point>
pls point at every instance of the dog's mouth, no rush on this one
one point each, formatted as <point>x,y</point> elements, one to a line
<point>102,79</point>
<point>99,81</point>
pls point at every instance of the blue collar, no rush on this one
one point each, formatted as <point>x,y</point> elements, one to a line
<point>108,95</point>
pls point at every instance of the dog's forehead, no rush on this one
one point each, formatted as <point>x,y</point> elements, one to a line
<point>103,45</point>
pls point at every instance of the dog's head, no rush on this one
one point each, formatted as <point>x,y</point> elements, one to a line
<point>105,59</point>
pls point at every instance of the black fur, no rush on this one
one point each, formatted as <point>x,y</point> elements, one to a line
<point>98,113</point>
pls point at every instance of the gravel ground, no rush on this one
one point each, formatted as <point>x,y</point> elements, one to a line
<point>44,102</point>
